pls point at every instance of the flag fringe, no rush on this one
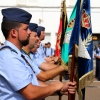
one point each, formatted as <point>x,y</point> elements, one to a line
<point>84,81</point>
<point>64,65</point>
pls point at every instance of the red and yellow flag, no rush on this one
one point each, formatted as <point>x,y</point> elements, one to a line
<point>57,51</point>
<point>62,28</point>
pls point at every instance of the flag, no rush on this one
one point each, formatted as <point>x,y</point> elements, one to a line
<point>82,37</point>
<point>57,51</point>
<point>62,27</point>
<point>69,28</point>
<point>64,22</point>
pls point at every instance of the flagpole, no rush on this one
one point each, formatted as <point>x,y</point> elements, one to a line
<point>62,38</point>
<point>64,23</point>
<point>64,26</point>
<point>72,76</point>
<point>60,78</point>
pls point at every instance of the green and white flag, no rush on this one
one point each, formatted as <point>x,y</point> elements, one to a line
<point>65,45</point>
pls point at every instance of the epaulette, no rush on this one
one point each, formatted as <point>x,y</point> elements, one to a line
<point>8,47</point>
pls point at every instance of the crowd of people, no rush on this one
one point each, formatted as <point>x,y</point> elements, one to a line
<point>48,50</point>
<point>25,64</point>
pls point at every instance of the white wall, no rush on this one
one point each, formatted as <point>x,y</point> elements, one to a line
<point>95,18</point>
<point>50,15</point>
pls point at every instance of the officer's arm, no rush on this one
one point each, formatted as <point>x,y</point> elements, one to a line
<point>31,92</point>
<point>47,66</point>
<point>48,59</point>
<point>52,59</point>
<point>42,84</point>
<point>96,56</point>
<point>47,75</point>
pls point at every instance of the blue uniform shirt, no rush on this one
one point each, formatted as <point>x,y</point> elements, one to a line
<point>32,63</point>
<point>49,52</point>
<point>40,51</point>
<point>37,59</point>
<point>15,74</point>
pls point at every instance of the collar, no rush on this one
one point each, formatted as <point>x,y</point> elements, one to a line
<point>28,54</point>
<point>8,43</point>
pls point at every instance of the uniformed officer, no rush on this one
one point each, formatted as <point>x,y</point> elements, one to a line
<point>32,43</point>
<point>13,70</point>
<point>41,51</point>
<point>41,35</point>
<point>17,79</point>
<point>49,51</point>
<point>48,71</point>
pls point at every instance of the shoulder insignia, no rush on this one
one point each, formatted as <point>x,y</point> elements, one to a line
<point>8,47</point>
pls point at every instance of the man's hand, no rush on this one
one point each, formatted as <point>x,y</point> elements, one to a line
<point>69,87</point>
<point>56,59</point>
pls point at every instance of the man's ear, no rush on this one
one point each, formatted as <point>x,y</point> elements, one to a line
<point>14,33</point>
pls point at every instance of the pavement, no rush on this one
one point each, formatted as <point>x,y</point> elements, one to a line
<point>92,92</point>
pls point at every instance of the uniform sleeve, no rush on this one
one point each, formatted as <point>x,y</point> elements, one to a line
<point>41,53</point>
<point>14,71</point>
<point>36,68</point>
<point>39,61</point>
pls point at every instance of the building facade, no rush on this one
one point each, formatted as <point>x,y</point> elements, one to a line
<point>47,13</point>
